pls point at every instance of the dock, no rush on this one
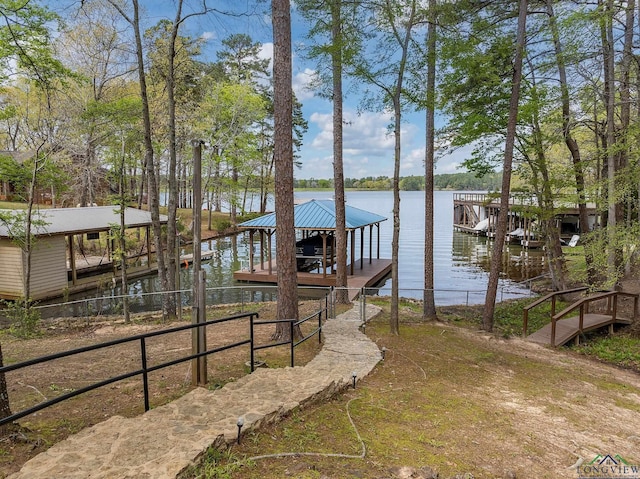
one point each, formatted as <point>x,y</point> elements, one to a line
<point>366,274</point>
<point>477,214</point>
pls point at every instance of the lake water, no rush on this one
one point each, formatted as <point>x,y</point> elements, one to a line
<point>461,260</point>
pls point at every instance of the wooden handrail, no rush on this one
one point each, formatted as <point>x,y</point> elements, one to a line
<point>584,302</point>
<point>552,296</point>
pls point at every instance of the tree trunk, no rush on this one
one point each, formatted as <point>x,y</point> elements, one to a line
<point>572,144</point>
<point>153,193</point>
<point>172,204</point>
<point>614,256</point>
<point>123,239</point>
<point>429,304</point>
<point>394,319</point>
<point>501,230</point>
<point>287,308</point>
<point>338,172</point>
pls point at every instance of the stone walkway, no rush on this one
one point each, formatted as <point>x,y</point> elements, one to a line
<point>163,442</point>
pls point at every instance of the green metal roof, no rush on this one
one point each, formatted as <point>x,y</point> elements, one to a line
<point>318,215</point>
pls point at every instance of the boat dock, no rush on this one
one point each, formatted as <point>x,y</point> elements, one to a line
<point>477,213</point>
<point>364,274</point>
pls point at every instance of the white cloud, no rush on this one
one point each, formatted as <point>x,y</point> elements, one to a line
<point>363,134</point>
<point>206,36</point>
<point>302,84</point>
<point>267,52</point>
<point>413,162</point>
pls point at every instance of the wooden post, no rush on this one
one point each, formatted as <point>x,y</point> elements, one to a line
<point>197,291</point>
<point>353,250</point>
<point>370,242</point>
<point>250,251</point>
<point>269,233</point>
<point>72,261</point>
<point>362,248</point>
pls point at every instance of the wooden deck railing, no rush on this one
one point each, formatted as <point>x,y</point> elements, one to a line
<point>553,297</point>
<point>583,306</point>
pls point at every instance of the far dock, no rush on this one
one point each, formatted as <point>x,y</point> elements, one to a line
<point>477,213</point>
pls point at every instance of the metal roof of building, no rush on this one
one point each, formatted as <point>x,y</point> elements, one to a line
<point>318,215</point>
<point>59,221</point>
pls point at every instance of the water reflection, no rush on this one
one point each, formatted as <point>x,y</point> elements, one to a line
<point>518,264</point>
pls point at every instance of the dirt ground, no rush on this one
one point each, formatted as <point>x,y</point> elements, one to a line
<point>463,403</point>
<point>30,386</point>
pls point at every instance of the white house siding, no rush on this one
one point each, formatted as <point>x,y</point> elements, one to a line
<point>48,267</point>
<point>10,270</point>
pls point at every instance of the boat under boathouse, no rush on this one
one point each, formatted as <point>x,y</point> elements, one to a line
<point>315,225</point>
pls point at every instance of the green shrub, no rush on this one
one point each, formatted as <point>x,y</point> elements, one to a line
<point>24,318</point>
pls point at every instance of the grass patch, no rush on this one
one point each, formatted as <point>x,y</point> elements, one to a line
<point>622,350</point>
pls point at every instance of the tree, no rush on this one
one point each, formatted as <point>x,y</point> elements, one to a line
<point>339,48</point>
<point>393,23</point>
<point>567,129</point>
<point>501,229</point>
<point>133,18</point>
<point>170,50</point>
<point>429,305</point>
<point>92,45</point>
<point>283,156</point>
<point>25,50</point>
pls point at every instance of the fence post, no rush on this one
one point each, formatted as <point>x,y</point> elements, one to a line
<point>145,376</point>
<point>202,330</point>
<point>292,343</point>
<point>320,327</point>
<point>251,339</point>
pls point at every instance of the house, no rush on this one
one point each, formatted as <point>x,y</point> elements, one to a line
<point>56,266</point>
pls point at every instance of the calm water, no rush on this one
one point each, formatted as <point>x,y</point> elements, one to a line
<point>461,260</point>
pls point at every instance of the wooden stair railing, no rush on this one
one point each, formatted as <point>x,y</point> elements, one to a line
<point>553,296</point>
<point>582,305</point>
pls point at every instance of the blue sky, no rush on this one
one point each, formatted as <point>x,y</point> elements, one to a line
<point>368,146</point>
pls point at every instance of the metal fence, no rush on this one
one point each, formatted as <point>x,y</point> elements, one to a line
<point>242,297</point>
<point>143,370</point>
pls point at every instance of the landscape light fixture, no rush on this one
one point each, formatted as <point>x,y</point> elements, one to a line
<point>240,423</point>
<point>354,375</point>
<point>384,352</point>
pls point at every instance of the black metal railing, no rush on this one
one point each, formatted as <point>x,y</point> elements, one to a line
<point>291,341</point>
<point>143,371</point>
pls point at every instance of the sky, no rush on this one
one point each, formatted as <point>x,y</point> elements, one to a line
<point>368,144</point>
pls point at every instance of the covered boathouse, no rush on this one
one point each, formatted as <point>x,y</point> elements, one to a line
<point>315,224</point>
<point>58,266</point>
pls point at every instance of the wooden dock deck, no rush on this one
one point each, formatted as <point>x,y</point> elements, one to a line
<point>569,328</point>
<point>364,275</point>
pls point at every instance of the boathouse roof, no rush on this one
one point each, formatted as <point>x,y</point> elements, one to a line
<point>318,215</point>
<point>62,221</point>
